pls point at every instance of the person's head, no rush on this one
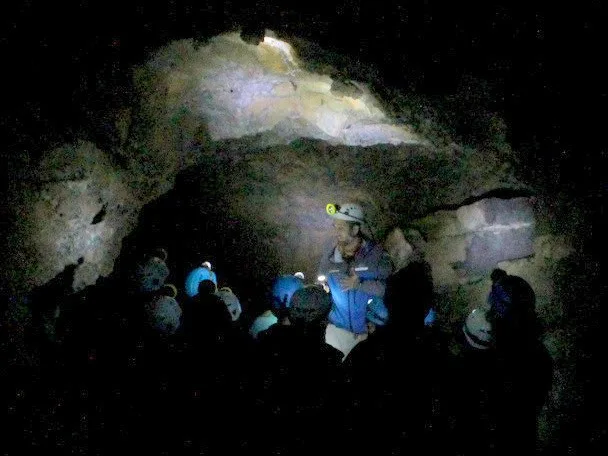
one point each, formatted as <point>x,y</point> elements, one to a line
<point>309,307</point>
<point>196,277</point>
<point>512,311</point>
<point>159,253</point>
<point>497,275</point>
<point>163,314</point>
<point>283,289</point>
<point>206,287</point>
<point>232,303</point>
<point>347,233</point>
<point>348,221</point>
<point>478,330</point>
<point>215,314</point>
<point>510,296</point>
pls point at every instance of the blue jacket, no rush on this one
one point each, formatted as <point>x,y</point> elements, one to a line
<point>373,266</point>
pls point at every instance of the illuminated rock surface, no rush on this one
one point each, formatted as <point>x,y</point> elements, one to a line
<point>242,90</point>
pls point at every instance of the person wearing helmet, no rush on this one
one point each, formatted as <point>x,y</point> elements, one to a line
<point>233,305</point>
<point>163,313</point>
<point>512,311</point>
<point>409,295</point>
<point>150,274</point>
<point>505,362</point>
<point>283,289</point>
<point>477,330</point>
<point>297,372</point>
<point>524,366</point>
<point>473,385</point>
<point>198,275</point>
<point>355,270</point>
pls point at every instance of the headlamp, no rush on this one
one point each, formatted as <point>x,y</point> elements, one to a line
<point>332,208</point>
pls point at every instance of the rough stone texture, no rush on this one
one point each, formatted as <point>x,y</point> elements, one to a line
<point>79,201</point>
<point>240,89</point>
<point>75,204</point>
<point>445,256</point>
<point>487,248</point>
<point>399,249</point>
<point>473,239</point>
<point>280,194</point>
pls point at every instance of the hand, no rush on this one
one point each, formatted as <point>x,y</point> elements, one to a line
<point>371,327</point>
<point>350,283</point>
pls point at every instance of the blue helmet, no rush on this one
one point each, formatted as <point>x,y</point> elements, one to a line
<point>283,289</point>
<point>511,297</point>
<point>195,277</point>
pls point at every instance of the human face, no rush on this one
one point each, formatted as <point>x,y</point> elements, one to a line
<point>345,232</point>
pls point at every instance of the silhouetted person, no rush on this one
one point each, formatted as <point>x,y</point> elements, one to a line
<point>197,316</point>
<point>410,289</point>
<point>503,375</point>
<point>283,288</point>
<point>298,375</point>
<point>473,382</point>
<point>524,367</point>
<point>393,369</point>
<point>216,364</point>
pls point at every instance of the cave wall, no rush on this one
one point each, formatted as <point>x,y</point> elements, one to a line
<point>256,117</point>
<point>75,203</point>
<point>79,201</point>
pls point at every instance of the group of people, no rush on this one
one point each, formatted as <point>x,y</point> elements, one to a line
<point>349,361</point>
<point>380,324</point>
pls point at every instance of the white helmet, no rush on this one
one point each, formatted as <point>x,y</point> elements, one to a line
<point>351,212</point>
<point>477,330</point>
<point>231,301</point>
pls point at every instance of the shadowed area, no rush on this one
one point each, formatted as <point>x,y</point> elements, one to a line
<point>152,141</point>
